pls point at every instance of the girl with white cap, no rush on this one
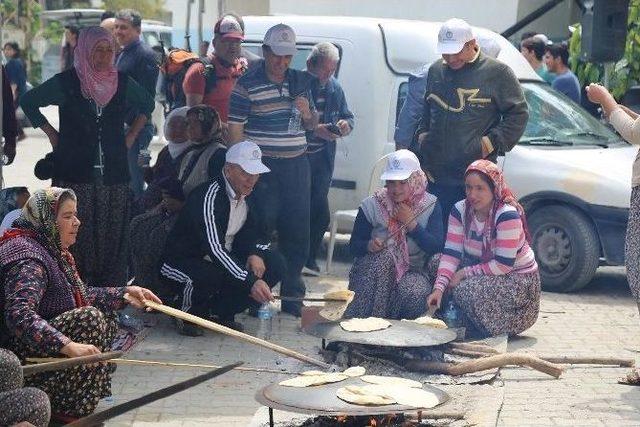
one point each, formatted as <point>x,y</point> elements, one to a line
<point>396,231</point>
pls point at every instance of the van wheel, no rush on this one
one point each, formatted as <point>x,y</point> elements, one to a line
<point>566,246</point>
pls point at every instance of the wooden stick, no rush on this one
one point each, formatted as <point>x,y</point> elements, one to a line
<point>568,360</point>
<point>207,324</point>
<point>42,360</point>
<point>69,362</point>
<point>473,347</point>
<point>98,418</point>
<point>484,363</point>
<point>404,225</point>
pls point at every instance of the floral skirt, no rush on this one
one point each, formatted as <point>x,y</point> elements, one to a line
<point>18,403</point>
<point>102,246</point>
<point>632,245</point>
<point>495,305</point>
<point>76,391</point>
<point>373,279</point>
<point>147,237</point>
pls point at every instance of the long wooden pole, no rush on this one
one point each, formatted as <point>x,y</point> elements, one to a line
<point>207,324</point>
<point>98,418</point>
<point>45,360</point>
<point>66,363</point>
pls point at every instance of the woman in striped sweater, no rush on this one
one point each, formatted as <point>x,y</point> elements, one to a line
<point>487,262</point>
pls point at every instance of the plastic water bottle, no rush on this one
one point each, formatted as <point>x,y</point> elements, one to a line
<point>265,321</point>
<point>451,315</point>
<point>295,120</point>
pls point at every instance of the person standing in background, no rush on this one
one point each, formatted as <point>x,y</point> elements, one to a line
<point>17,75</point>
<point>71,39</point>
<point>138,61</point>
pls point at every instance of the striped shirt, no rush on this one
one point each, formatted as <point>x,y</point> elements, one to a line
<point>318,144</point>
<point>265,109</point>
<point>512,253</point>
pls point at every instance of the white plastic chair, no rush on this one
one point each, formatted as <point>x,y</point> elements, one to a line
<point>350,215</point>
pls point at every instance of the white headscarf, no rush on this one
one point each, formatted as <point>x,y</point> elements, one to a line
<point>176,148</point>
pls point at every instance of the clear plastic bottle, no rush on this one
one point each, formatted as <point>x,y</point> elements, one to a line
<point>295,120</point>
<point>451,315</point>
<point>265,321</point>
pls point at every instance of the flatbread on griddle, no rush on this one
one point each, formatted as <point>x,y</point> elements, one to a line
<point>428,321</point>
<point>358,324</point>
<point>390,381</point>
<point>354,371</point>
<point>359,396</point>
<point>311,380</point>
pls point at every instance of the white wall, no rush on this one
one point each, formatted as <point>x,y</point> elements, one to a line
<point>178,8</point>
<point>496,15</point>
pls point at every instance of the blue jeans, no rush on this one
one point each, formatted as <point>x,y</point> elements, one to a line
<point>321,173</point>
<point>281,202</point>
<point>137,173</point>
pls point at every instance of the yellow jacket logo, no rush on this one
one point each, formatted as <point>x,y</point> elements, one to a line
<point>464,96</point>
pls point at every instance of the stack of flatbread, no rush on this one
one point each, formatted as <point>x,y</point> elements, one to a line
<point>428,321</point>
<point>387,391</point>
<point>311,378</point>
<point>358,324</point>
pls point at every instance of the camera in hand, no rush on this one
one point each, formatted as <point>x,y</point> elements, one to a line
<point>334,129</point>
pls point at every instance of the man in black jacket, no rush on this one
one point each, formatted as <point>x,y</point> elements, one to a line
<point>215,256</point>
<point>474,109</point>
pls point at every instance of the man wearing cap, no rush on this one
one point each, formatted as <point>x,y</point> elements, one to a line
<point>271,105</point>
<point>215,257</point>
<point>474,108</point>
<point>214,90</point>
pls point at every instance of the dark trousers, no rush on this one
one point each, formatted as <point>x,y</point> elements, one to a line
<point>281,202</point>
<point>448,195</point>
<point>204,288</point>
<point>135,170</point>
<point>321,172</point>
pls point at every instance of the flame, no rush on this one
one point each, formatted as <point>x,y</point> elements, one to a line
<point>372,422</point>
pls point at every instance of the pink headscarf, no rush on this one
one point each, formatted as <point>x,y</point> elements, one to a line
<point>100,86</point>
<point>502,195</point>
<point>417,201</point>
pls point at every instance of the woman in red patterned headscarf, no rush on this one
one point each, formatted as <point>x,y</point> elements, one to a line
<point>487,262</point>
<point>90,149</point>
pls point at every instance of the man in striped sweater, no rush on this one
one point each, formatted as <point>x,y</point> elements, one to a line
<point>215,257</point>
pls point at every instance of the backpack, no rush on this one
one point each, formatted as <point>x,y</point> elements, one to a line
<point>174,68</point>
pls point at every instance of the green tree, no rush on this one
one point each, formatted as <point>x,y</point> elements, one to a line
<point>24,15</point>
<point>149,9</point>
<point>625,72</point>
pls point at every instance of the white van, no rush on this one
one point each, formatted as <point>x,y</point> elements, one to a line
<point>571,173</point>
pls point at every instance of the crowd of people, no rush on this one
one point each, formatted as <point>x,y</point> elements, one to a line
<point>237,201</point>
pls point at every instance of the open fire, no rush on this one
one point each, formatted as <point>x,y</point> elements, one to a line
<point>390,420</point>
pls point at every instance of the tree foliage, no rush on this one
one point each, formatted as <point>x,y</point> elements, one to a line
<point>149,9</point>
<point>624,73</point>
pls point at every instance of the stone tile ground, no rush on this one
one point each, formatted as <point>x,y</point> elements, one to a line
<point>598,321</point>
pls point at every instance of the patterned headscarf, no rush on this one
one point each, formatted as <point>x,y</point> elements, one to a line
<point>209,122</point>
<point>100,86</point>
<point>38,220</point>
<point>417,201</point>
<point>502,195</point>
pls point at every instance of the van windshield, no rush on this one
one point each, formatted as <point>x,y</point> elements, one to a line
<point>556,120</point>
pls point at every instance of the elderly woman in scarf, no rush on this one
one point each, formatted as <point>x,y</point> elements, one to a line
<point>487,264</point>
<point>206,159</point>
<point>90,149</point>
<point>396,232</point>
<point>162,201</point>
<point>49,310</point>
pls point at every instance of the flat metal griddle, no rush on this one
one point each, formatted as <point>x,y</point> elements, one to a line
<point>322,400</point>
<point>399,334</point>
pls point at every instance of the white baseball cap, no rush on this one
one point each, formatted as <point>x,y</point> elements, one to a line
<point>281,39</point>
<point>248,156</point>
<point>453,35</point>
<point>400,165</point>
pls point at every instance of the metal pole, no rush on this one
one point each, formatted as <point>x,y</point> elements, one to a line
<point>200,17</point>
<point>530,18</point>
<point>187,27</point>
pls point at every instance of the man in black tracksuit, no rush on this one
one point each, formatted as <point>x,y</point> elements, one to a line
<point>474,109</point>
<point>215,257</point>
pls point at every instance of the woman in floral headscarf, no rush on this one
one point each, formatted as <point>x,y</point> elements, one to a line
<point>487,262</point>
<point>396,231</point>
<point>49,311</point>
<point>206,159</point>
<point>90,149</point>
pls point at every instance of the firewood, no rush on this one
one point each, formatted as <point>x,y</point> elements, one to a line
<point>484,363</point>
<point>473,347</point>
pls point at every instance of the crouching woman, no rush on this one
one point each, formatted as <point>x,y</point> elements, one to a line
<point>396,231</point>
<point>487,263</point>
<point>49,311</point>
